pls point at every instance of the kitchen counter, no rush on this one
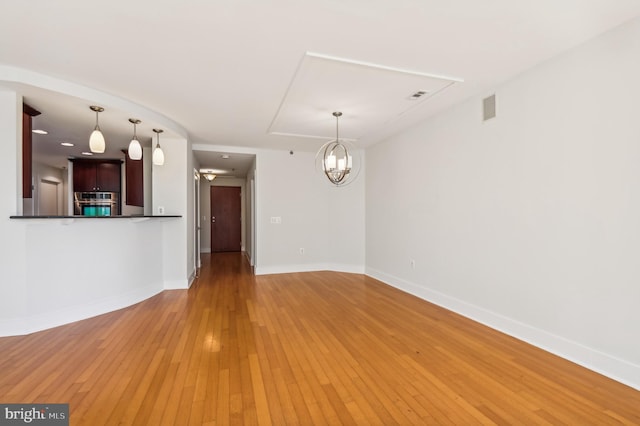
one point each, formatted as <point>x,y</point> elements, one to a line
<point>135,216</point>
<point>70,219</point>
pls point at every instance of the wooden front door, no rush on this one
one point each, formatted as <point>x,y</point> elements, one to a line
<point>225,219</point>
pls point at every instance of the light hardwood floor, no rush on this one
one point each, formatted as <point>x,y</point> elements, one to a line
<point>314,348</point>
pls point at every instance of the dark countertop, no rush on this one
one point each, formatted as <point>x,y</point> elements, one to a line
<point>99,217</point>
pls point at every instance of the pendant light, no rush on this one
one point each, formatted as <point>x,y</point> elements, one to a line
<point>96,140</point>
<point>135,149</point>
<point>158,155</point>
<point>336,159</point>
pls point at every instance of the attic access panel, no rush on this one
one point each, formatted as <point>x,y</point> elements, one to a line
<point>368,95</point>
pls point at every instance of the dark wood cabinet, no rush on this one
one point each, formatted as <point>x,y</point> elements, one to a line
<point>84,176</point>
<point>27,149</point>
<point>135,182</point>
<point>108,176</point>
<point>89,175</point>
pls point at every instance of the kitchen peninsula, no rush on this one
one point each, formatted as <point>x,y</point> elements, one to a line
<point>133,216</point>
<point>57,269</point>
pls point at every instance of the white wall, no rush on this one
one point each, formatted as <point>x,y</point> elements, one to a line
<point>529,222</point>
<point>12,255</point>
<point>345,207</point>
<point>173,192</point>
<point>327,222</point>
<point>88,267</point>
<point>189,213</point>
<point>147,155</point>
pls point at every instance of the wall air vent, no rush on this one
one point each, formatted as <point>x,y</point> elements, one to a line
<point>489,108</point>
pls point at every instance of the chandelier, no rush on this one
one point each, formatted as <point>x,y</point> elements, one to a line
<point>336,159</point>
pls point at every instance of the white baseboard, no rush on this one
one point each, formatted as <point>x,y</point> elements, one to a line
<point>177,284</point>
<point>605,364</point>
<point>192,278</point>
<point>39,322</point>
<point>16,327</point>
<point>288,269</point>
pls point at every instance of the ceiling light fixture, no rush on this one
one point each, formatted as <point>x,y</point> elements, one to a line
<point>135,149</point>
<point>40,132</point>
<point>66,144</point>
<point>209,174</point>
<point>87,153</point>
<point>336,159</point>
<point>158,155</point>
<point>96,140</point>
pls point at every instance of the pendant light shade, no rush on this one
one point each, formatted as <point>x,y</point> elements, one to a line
<point>158,155</point>
<point>96,140</point>
<point>336,159</point>
<point>135,149</point>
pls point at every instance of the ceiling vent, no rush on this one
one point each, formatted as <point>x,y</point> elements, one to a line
<point>417,95</point>
<point>489,108</point>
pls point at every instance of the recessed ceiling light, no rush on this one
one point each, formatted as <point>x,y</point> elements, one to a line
<point>225,156</point>
<point>214,171</point>
<point>66,144</point>
<point>40,132</point>
<point>87,153</point>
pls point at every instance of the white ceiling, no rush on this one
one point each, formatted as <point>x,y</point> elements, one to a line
<point>225,164</point>
<point>370,97</point>
<point>233,72</point>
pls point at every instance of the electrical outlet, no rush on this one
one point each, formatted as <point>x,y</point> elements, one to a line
<point>160,210</point>
<point>277,220</point>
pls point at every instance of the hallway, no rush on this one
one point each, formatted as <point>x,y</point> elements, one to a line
<point>308,348</point>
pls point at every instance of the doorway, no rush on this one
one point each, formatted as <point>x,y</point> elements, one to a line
<point>196,222</point>
<point>226,222</point>
<point>48,199</point>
